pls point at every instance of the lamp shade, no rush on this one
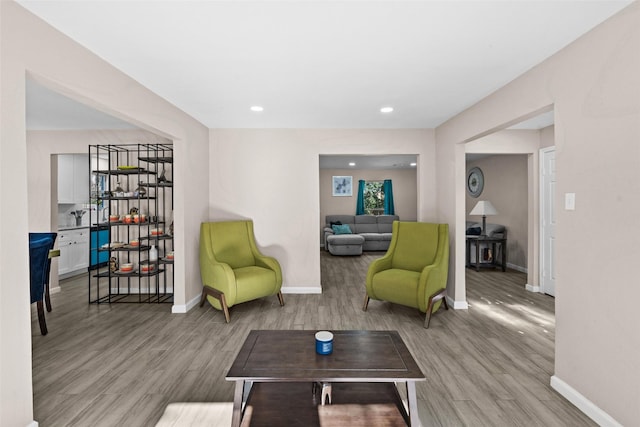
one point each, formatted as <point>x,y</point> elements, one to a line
<point>483,207</point>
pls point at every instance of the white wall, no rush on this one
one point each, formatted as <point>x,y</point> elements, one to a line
<point>594,87</point>
<point>271,176</point>
<point>54,60</point>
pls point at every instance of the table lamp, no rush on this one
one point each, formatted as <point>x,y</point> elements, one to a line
<point>484,208</point>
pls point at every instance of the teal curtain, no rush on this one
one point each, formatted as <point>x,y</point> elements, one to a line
<point>388,198</point>
<point>360,200</point>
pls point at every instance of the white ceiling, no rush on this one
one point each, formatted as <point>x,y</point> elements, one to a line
<point>322,64</point>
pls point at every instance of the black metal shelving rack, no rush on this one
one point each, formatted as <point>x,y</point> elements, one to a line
<point>132,167</point>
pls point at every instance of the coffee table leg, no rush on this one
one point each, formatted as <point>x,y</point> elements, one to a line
<point>414,419</point>
<point>237,404</point>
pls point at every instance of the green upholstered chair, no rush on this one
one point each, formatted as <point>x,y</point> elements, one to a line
<point>232,268</point>
<point>414,270</point>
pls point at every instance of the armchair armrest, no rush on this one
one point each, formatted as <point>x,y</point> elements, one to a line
<point>272,264</point>
<point>434,276</point>
<point>220,276</point>
<point>375,267</point>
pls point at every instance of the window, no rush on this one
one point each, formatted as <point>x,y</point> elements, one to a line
<point>373,197</point>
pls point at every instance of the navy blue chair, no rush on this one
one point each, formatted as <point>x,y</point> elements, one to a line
<point>40,253</point>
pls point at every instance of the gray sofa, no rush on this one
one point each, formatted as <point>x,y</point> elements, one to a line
<point>368,233</point>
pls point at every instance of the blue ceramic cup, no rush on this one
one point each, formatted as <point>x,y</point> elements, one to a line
<point>324,342</point>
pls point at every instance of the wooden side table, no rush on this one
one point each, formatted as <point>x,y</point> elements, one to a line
<point>494,242</point>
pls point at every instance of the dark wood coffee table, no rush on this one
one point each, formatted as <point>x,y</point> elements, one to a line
<point>282,361</point>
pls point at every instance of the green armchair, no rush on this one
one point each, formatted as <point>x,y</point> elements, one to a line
<point>232,268</point>
<point>414,270</point>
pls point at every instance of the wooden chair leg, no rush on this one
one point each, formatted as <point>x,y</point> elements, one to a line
<point>41,319</point>
<point>223,303</point>
<point>437,296</point>
<point>208,291</point>
<point>281,299</point>
<point>47,298</point>
<point>366,302</point>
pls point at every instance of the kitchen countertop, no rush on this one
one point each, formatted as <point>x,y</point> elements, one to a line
<point>71,227</point>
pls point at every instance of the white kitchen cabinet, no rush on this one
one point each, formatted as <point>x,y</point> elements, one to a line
<point>74,250</point>
<point>73,176</point>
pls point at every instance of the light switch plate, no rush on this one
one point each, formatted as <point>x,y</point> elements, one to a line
<point>570,201</point>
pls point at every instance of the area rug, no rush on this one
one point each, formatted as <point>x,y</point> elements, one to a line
<point>196,415</point>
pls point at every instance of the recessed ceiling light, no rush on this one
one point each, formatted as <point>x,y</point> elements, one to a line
<point>352,163</point>
<point>257,108</point>
<point>386,109</point>
<point>412,164</point>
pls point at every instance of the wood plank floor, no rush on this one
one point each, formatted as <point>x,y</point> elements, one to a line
<point>121,365</point>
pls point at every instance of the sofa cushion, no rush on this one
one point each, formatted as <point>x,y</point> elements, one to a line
<point>343,219</point>
<point>366,224</point>
<point>341,229</point>
<point>385,223</point>
<point>376,236</point>
<point>345,239</point>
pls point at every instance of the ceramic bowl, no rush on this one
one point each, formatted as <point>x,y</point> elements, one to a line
<point>156,231</point>
<point>134,243</point>
<point>147,268</point>
<point>114,217</point>
<point>170,255</point>
<point>126,267</point>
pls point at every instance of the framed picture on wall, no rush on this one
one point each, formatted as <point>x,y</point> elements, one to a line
<point>342,186</point>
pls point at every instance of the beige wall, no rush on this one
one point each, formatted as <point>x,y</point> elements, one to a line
<point>272,177</point>
<point>30,46</point>
<point>594,87</point>
<point>404,191</point>
<point>506,187</point>
<point>547,137</point>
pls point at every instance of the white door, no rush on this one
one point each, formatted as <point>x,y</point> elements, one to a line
<point>547,220</point>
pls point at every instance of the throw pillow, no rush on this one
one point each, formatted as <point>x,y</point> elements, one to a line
<point>341,229</point>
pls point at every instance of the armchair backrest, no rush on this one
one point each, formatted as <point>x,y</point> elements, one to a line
<point>230,242</point>
<point>416,244</point>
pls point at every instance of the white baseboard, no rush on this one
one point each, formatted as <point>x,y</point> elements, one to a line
<point>54,290</point>
<point>33,424</point>
<point>517,268</point>
<point>301,290</point>
<point>585,405</point>
<point>183,308</point>
<point>457,305</point>
<point>532,288</point>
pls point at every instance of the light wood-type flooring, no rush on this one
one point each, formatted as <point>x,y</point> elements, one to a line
<point>121,365</point>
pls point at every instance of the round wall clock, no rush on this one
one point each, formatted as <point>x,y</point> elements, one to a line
<point>475,182</point>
